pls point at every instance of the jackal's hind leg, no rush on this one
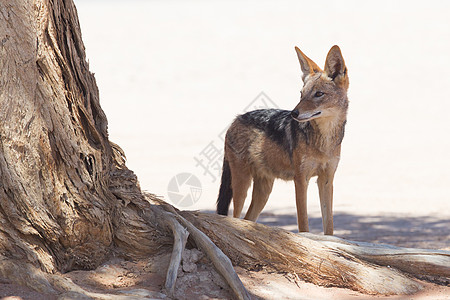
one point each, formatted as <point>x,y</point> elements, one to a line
<point>262,187</point>
<point>240,182</point>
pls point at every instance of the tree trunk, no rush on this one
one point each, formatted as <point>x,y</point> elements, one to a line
<point>64,187</point>
<point>67,200</point>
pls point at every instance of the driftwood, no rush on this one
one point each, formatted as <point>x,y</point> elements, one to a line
<point>180,236</point>
<point>409,260</point>
<point>68,201</point>
<point>220,261</point>
<point>323,260</point>
<point>168,215</point>
<point>326,261</point>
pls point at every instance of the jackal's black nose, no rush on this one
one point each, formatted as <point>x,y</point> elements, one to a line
<point>295,113</point>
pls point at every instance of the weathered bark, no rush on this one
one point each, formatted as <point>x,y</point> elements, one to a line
<point>409,260</point>
<point>67,200</point>
<point>64,189</point>
<point>326,261</point>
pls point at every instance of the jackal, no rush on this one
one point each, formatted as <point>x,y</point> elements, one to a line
<point>292,145</point>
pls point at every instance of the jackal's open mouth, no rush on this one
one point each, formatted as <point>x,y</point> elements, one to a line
<point>307,116</point>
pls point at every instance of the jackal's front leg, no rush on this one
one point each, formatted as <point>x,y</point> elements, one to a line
<point>301,188</point>
<point>325,184</point>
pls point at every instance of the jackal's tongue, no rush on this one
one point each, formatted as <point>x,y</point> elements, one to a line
<point>305,117</point>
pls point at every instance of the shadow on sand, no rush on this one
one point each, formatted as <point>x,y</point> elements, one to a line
<point>399,230</point>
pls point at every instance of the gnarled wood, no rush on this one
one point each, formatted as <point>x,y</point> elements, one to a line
<point>180,236</point>
<point>413,261</point>
<point>251,245</point>
<point>220,261</point>
<point>64,189</point>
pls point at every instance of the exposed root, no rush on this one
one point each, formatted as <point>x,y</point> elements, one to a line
<point>220,261</point>
<point>409,260</point>
<point>180,236</point>
<point>251,245</point>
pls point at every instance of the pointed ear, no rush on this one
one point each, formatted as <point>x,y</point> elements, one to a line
<point>335,67</point>
<point>308,66</point>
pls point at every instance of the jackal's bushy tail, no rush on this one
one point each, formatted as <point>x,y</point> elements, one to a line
<point>225,192</point>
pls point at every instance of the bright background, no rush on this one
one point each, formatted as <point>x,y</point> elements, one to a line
<point>173,74</point>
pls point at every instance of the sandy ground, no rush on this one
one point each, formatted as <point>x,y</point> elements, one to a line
<point>173,74</point>
<point>197,279</point>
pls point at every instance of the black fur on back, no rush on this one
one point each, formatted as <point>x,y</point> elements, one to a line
<point>225,192</point>
<point>278,125</point>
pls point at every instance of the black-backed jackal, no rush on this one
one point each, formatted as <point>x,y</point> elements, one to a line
<point>292,145</point>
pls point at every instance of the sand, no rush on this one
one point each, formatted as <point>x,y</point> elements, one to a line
<point>173,75</point>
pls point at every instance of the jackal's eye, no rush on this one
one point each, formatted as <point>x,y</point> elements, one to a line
<point>319,94</point>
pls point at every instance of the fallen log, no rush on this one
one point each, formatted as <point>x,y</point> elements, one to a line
<point>317,259</point>
<point>410,260</point>
<point>168,215</point>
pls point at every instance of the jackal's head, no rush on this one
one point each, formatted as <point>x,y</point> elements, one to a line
<point>324,93</point>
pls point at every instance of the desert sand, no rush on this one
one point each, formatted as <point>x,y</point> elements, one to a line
<point>173,75</point>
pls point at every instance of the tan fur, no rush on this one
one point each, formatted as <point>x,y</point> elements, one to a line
<point>253,155</point>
